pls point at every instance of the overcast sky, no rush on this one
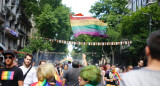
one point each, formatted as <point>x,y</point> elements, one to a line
<point>80,6</point>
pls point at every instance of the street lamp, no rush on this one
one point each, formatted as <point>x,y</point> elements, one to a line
<point>150,17</point>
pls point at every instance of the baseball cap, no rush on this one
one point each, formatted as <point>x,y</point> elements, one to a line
<point>8,52</point>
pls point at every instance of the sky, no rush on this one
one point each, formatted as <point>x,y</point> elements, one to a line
<point>80,6</point>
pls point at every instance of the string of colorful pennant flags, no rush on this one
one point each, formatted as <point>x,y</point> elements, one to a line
<point>86,43</point>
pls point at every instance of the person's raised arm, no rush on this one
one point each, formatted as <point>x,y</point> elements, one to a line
<point>84,59</point>
<point>63,81</point>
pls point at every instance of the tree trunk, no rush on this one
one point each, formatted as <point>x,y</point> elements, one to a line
<point>37,56</point>
<point>112,51</point>
<point>105,54</point>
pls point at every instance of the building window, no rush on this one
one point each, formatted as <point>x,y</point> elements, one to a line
<point>134,5</point>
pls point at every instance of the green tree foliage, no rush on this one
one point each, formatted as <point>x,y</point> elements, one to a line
<point>51,18</point>
<point>35,7</point>
<point>109,11</point>
<point>37,44</point>
<point>54,23</point>
<point>135,27</point>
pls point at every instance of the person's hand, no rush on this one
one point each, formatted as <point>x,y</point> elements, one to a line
<point>52,83</point>
<point>83,56</point>
<point>111,80</point>
<point>114,79</point>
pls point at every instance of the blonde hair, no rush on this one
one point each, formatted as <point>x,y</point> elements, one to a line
<point>45,71</point>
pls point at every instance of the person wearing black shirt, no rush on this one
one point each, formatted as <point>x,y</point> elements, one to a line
<point>109,76</point>
<point>11,75</point>
<point>140,65</point>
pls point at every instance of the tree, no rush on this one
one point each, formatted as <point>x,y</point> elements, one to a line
<point>51,18</point>
<point>109,11</point>
<point>35,7</point>
<point>55,24</point>
<point>135,27</point>
<point>36,45</point>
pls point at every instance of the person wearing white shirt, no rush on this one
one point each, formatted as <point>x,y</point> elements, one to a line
<point>31,76</point>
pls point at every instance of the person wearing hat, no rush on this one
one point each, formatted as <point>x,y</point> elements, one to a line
<point>10,74</point>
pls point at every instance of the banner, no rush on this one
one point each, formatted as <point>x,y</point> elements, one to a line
<point>86,43</point>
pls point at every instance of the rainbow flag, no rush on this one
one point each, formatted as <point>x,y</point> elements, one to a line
<point>117,76</point>
<point>40,83</point>
<point>58,80</point>
<point>7,75</point>
<point>87,25</point>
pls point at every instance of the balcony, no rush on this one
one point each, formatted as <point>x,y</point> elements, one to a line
<point>12,34</point>
<point>150,2</point>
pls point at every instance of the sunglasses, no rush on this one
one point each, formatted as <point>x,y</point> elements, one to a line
<point>10,57</point>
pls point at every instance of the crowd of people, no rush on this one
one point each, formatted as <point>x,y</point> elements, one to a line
<point>77,74</point>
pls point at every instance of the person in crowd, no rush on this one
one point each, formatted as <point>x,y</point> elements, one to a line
<point>140,65</point>
<point>89,76</point>
<point>59,69</point>
<point>69,64</point>
<point>45,74</point>
<point>130,67</point>
<point>1,61</point>
<point>108,68</point>
<point>42,62</point>
<point>107,72</point>
<point>70,77</point>
<point>11,75</point>
<point>111,77</point>
<point>117,68</point>
<point>29,71</point>
<point>120,69</point>
<point>33,63</point>
<point>147,76</point>
<point>65,68</point>
<point>52,81</point>
<point>102,70</point>
<point>15,62</point>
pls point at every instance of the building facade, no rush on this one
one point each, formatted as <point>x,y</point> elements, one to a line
<point>133,5</point>
<point>14,25</point>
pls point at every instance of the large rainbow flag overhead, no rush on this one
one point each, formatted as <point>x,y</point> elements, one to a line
<point>87,25</point>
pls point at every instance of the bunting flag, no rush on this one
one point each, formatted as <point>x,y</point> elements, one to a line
<point>87,25</point>
<point>87,43</point>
